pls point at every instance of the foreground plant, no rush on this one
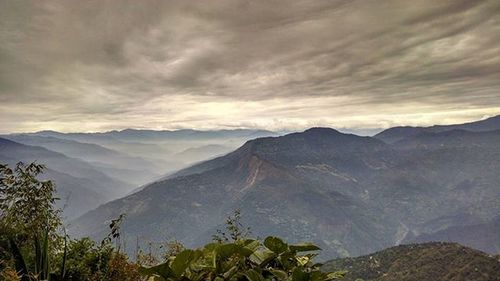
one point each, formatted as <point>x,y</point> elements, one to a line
<point>245,259</point>
<point>29,220</point>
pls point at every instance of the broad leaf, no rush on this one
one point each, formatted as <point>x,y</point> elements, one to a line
<point>263,256</point>
<point>275,244</point>
<point>182,262</point>
<point>280,274</point>
<point>299,275</point>
<point>304,247</point>
<point>253,275</point>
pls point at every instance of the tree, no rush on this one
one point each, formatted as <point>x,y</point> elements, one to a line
<point>29,221</point>
<point>27,204</point>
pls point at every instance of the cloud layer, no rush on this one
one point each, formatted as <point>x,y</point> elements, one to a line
<point>100,65</point>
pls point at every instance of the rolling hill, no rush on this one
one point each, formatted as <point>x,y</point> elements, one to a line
<point>416,262</point>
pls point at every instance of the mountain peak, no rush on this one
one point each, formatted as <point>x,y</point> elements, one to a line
<point>322,131</point>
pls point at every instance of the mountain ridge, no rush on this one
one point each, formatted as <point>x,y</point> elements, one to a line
<point>349,194</point>
<point>415,262</point>
<point>398,133</point>
<point>73,176</point>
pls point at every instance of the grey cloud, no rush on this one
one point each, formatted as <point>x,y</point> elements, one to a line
<point>108,60</point>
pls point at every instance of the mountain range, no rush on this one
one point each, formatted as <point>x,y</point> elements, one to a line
<point>90,169</point>
<point>80,186</point>
<point>351,195</point>
<point>395,134</point>
<point>163,149</point>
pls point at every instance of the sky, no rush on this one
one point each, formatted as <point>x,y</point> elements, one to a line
<point>98,65</point>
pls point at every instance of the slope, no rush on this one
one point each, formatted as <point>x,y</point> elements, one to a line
<point>269,180</point>
<point>88,186</point>
<point>395,134</point>
<point>430,261</point>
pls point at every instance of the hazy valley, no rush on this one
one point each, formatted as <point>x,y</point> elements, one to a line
<point>351,195</point>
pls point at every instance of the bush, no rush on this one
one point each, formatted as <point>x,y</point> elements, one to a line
<point>245,259</point>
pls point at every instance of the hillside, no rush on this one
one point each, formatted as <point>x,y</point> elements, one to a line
<point>416,262</point>
<point>133,170</point>
<point>396,134</point>
<point>80,186</point>
<point>456,138</point>
<point>482,236</point>
<point>200,153</point>
<point>351,195</point>
<point>264,180</point>
<point>164,151</point>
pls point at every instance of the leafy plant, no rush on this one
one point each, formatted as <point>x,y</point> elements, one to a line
<point>246,259</point>
<point>41,269</point>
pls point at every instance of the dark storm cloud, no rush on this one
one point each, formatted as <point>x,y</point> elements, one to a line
<point>272,64</point>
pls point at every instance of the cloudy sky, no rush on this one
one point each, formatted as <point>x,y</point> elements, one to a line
<point>108,64</point>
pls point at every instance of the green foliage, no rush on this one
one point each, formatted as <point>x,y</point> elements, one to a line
<point>29,220</point>
<point>42,268</point>
<point>245,259</point>
<point>26,203</point>
<point>87,260</point>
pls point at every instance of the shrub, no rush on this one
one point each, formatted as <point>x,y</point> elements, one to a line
<point>245,259</point>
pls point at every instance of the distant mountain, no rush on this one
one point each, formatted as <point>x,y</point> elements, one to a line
<point>164,149</point>
<point>205,152</point>
<point>481,236</point>
<point>141,135</point>
<point>430,261</point>
<point>80,186</point>
<point>395,134</point>
<point>456,138</point>
<point>133,170</point>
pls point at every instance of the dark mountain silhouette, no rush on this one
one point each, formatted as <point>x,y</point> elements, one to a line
<point>430,261</point>
<point>395,134</point>
<point>455,138</point>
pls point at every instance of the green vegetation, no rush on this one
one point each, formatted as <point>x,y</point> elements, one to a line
<point>34,246</point>
<point>416,262</point>
<point>244,259</point>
